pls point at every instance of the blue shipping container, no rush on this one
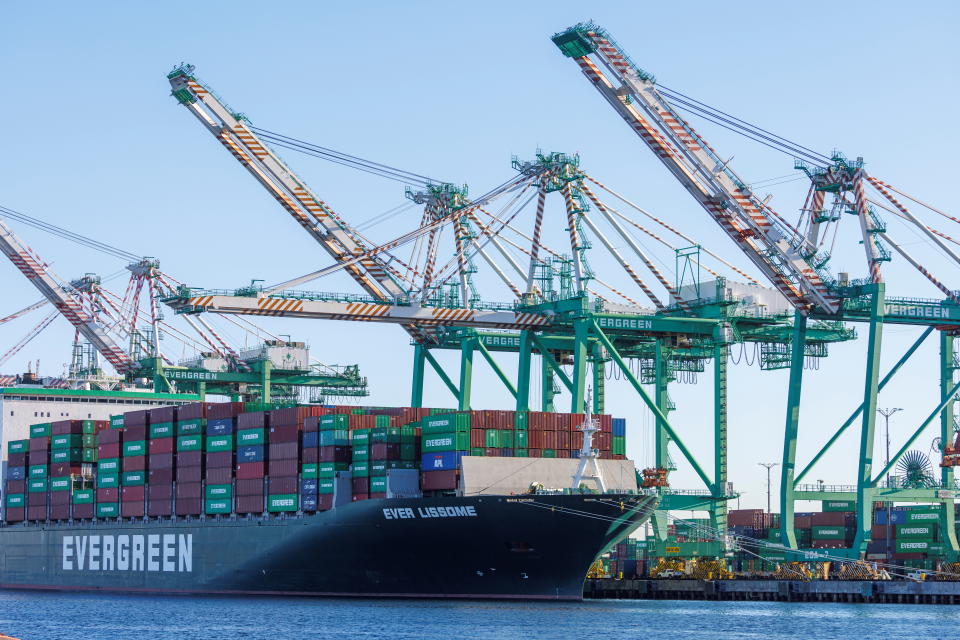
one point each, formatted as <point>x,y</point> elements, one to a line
<point>308,502</point>
<point>220,427</point>
<point>308,486</point>
<point>16,473</point>
<point>619,426</point>
<point>896,517</point>
<point>440,460</point>
<point>311,439</point>
<point>250,453</point>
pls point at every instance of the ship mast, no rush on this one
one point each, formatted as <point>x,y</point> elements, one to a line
<point>589,468</point>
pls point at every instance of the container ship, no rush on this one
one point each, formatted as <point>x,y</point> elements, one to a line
<point>234,498</point>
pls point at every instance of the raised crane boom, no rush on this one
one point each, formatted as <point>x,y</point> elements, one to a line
<point>291,192</point>
<point>59,296</point>
<point>780,253</point>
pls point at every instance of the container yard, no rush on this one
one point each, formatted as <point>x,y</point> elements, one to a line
<point>245,466</point>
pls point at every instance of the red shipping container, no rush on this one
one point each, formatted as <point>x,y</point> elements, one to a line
<point>335,454</point>
<point>66,427</point>
<point>133,509</point>
<point>110,436</point>
<point>189,474</point>
<point>246,470</point>
<point>37,513</point>
<point>159,508</point>
<point>253,420</point>
<point>491,452</point>
<point>829,518</point>
<point>192,411</point>
<point>17,459</point>
<point>136,432</point>
<point>217,410</point>
<point>219,475</point>
<point>311,423</point>
<point>604,440</point>
<point>360,485</point>
<point>134,463</point>
<point>16,486</point>
<point>133,493</point>
<point>160,461</point>
<point>534,453</point>
<point>139,418</point>
<point>161,445</point>
<point>162,414</point>
<point>160,492</point>
<point>324,502</point>
<point>357,497</point>
<point>375,496</point>
<point>189,490</point>
<point>106,451</point>
<point>439,480</point>
<point>478,437</point>
<point>59,497</point>
<point>15,514</point>
<point>289,416</point>
<point>189,506</point>
<point>250,504</point>
<point>37,499</point>
<point>109,494</point>
<point>384,451</point>
<point>802,522</point>
<point>283,467</point>
<point>220,459</point>
<point>249,487</point>
<point>310,454</point>
<point>60,511</point>
<point>285,433</point>
<point>282,484</point>
<point>80,511</point>
<point>283,451</point>
<point>63,469</point>
<point>189,458</point>
<point>40,444</point>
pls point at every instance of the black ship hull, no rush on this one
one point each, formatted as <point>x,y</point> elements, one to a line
<point>528,547</point>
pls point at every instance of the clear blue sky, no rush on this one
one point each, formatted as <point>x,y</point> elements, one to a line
<point>93,142</point>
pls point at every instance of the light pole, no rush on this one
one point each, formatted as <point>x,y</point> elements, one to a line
<point>886,413</point>
<point>768,466</point>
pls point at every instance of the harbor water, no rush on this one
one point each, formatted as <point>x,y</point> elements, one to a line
<point>54,616</point>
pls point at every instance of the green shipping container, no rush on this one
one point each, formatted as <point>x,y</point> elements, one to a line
<point>388,435</point>
<point>37,486</point>
<point>408,435</point>
<point>381,421</point>
<point>506,438</point>
<point>133,478</point>
<point>476,451</point>
<point>922,531</point>
<point>219,492</point>
<point>548,453</point>
<point>18,446</point>
<point>16,500</point>
<point>360,469</point>
<point>116,422</point>
<point>409,452</point>
<point>334,437</point>
<point>108,509</point>
<point>444,424</point>
<point>619,445</point>
<point>378,484</point>
<point>40,430</point>
<point>191,428</point>
<point>108,480</point>
<point>71,441</point>
<point>282,502</point>
<point>309,470</point>
<point>135,448</point>
<point>108,465</point>
<point>37,471</point>
<point>66,455</point>
<point>329,469</point>
<point>521,420</point>
<point>162,430</point>
<point>491,438</point>
<point>82,496</point>
<point>335,421</point>
<point>520,439</point>
<point>60,484</point>
<point>824,532</point>
<point>361,452</point>
<point>89,455</point>
<point>923,515</point>
<point>447,442</point>
<point>219,443</point>
<point>521,453</point>
<point>913,546</point>
<point>220,506</point>
<point>838,505</point>
<point>88,441</point>
<point>189,443</point>
<point>89,427</point>
<point>251,436</point>
<point>360,436</point>
<point>325,486</point>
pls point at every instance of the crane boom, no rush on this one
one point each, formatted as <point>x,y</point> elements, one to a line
<point>780,253</point>
<point>312,213</point>
<point>58,295</point>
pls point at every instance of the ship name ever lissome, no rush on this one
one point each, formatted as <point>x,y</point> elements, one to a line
<point>166,552</point>
<point>405,513</point>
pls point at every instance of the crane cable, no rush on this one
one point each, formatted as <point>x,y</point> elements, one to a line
<point>68,235</point>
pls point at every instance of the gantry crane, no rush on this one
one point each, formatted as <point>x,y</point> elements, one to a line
<point>794,261</point>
